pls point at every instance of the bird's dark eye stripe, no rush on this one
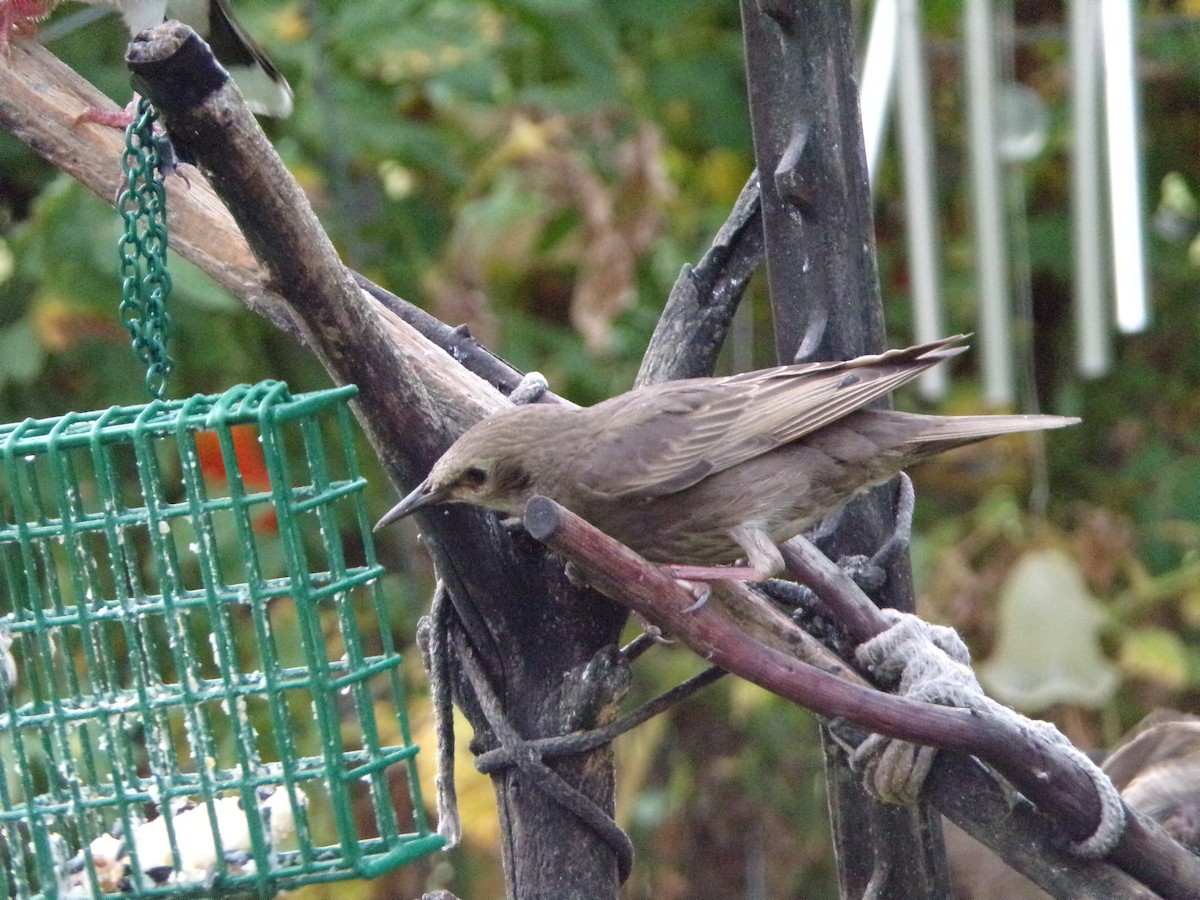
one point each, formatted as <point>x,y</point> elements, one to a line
<point>474,475</point>
<point>511,478</point>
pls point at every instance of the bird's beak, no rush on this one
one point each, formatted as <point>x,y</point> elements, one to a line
<point>424,495</point>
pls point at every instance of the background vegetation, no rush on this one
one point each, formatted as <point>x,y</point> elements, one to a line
<point>541,169</point>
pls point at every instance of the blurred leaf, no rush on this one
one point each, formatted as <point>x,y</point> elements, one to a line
<point>7,262</point>
<point>21,353</point>
<point>1156,655</point>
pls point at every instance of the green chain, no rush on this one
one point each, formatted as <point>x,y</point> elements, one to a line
<point>145,282</point>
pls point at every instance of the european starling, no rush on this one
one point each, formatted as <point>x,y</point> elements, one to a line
<point>705,471</point>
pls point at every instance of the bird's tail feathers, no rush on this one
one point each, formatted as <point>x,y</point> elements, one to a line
<point>953,431</point>
<point>929,353</point>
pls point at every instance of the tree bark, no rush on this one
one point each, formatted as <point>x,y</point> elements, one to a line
<point>413,401</point>
<point>820,246</point>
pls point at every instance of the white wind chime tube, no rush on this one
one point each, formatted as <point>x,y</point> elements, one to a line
<point>878,71</point>
<point>1124,165</point>
<point>920,188</point>
<point>895,54</point>
<point>991,245</point>
<point>1092,349</point>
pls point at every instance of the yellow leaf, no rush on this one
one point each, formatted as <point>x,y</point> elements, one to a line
<point>1155,654</point>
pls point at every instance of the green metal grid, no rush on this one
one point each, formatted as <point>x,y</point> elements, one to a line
<point>180,635</point>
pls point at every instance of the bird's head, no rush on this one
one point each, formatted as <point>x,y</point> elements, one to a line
<point>484,467</point>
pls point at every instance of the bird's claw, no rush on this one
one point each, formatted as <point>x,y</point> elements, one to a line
<point>575,575</point>
<point>653,633</point>
<point>701,591</point>
<point>651,636</point>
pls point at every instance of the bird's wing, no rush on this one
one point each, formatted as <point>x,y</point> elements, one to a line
<point>675,434</point>
<point>266,91</point>
<point>656,443</point>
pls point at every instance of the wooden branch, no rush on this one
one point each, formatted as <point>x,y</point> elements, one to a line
<point>821,269</point>
<point>286,237</point>
<point>413,400</point>
<point>760,620</point>
<point>1061,790</point>
<point>457,341</point>
<point>41,99</point>
<point>618,572</point>
<point>970,796</point>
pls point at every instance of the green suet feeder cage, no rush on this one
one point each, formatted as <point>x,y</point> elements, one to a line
<point>196,698</point>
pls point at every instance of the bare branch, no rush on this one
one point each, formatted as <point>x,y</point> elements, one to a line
<point>1060,788</point>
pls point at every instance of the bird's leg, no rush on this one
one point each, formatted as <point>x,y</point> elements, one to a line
<point>96,116</point>
<point>692,579</point>
<point>764,559</point>
<point>869,572</point>
<point>827,526</point>
<point>651,636</point>
<point>714,573</point>
<point>761,553</point>
<point>906,503</point>
<point>763,556</point>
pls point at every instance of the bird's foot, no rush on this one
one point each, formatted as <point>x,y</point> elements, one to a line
<point>827,526</point>
<point>169,162</point>
<point>870,572</point>
<point>575,575</point>
<point>693,578</point>
<point>20,18</point>
<point>906,501</point>
<point>699,590</point>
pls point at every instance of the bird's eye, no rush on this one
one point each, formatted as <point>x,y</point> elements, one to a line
<point>474,476</point>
